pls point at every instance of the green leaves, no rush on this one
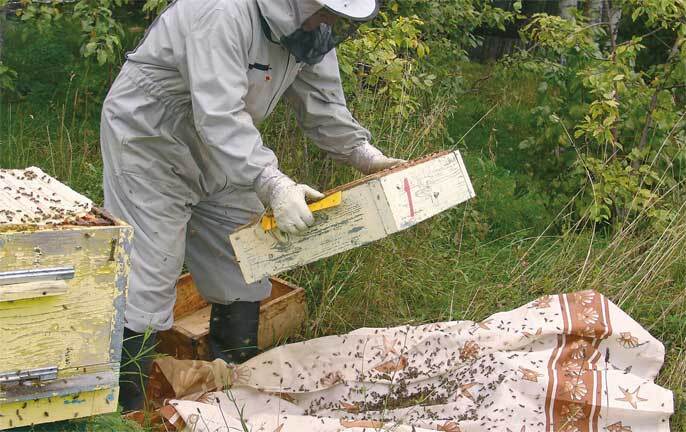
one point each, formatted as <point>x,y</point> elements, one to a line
<point>44,15</point>
<point>387,58</point>
<point>7,78</point>
<point>154,7</point>
<point>618,185</point>
<point>660,13</point>
<point>561,37</point>
<point>101,32</point>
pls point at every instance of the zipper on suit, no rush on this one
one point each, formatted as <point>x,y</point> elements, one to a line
<point>283,80</point>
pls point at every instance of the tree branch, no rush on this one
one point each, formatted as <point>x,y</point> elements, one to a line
<point>654,99</point>
<point>613,45</point>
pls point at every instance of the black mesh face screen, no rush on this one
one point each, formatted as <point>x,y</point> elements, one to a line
<point>311,46</point>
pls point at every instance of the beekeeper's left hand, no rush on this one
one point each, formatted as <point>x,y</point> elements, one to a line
<point>368,159</point>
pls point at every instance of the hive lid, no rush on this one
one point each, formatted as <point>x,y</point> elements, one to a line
<point>31,197</point>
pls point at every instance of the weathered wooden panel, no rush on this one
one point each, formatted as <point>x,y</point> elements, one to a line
<point>122,260</point>
<point>281,316</point>
<point>32,290</point>
<point>70,330</point>
<point>188,299</point>
<point>35,411</point>
<point>372,208</point>
<point>263,253</point>
<point>90,378</point>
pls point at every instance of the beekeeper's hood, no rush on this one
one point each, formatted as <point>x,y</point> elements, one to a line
<point>285,19</point>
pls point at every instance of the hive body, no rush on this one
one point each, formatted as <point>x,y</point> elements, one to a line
<point>62,292</point>
<point>371,208</point>
<point>281,317</point>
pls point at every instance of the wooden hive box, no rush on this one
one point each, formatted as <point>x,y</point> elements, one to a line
<point>281,317</point>
<point>63,277</point>
<point>370,209</point>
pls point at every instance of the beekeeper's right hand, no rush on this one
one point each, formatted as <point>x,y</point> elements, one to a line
<point>287,199</point>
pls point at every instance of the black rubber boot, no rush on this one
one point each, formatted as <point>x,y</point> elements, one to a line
<point>136,360</point>
<point>233,331</point>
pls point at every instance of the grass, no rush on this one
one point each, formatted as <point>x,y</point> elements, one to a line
<point>505,248</point>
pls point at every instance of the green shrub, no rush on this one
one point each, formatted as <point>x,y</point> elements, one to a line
<point>41,60</point>
<point>622,125</point>
<point>506,202</point>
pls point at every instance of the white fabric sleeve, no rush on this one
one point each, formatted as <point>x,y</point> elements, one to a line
<point>267,182</point>
<point>317,97</point>
<point>218,81</point>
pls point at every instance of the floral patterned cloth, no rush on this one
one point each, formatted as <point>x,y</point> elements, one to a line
<point>564,363</point>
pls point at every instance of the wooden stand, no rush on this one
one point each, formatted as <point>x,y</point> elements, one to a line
<point>281,317</point>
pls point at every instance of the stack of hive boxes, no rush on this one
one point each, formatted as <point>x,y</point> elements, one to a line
<point>63,276</point>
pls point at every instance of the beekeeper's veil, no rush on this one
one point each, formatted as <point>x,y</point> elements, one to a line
<point>285,19</point>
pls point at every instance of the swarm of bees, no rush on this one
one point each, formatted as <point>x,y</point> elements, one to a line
<point>412,375</point>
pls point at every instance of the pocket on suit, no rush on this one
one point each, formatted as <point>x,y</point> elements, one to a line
<point>157,159</point>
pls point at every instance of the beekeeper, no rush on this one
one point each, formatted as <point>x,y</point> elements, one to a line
<point>185,165</point>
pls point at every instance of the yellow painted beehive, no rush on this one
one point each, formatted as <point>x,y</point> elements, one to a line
<point>63,277</point>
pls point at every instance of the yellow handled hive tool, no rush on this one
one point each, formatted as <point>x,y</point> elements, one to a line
<point>333,200</point>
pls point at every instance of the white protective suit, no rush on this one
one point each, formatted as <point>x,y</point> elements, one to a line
<point>181,152</point>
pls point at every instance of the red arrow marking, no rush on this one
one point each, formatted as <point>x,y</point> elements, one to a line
<point>408,191</point>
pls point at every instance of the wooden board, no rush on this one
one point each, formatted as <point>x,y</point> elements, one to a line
<point>77,405</point>
<point>32,290</point>
<point>281,316</point>
<point>75,329</point>
<point>371,209</point>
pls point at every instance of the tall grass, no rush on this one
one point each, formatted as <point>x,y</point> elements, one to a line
<point>55,137</point>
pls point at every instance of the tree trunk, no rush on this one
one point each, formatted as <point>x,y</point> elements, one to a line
<point>606,12</point>
<point>567,8</point>
<point>594,11</point>
<point>614,15</point>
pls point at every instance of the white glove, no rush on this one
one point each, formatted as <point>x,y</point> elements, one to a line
<point>368,159</point>
<point>287,200</point>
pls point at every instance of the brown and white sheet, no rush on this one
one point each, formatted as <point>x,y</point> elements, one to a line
<point>564,363</point>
